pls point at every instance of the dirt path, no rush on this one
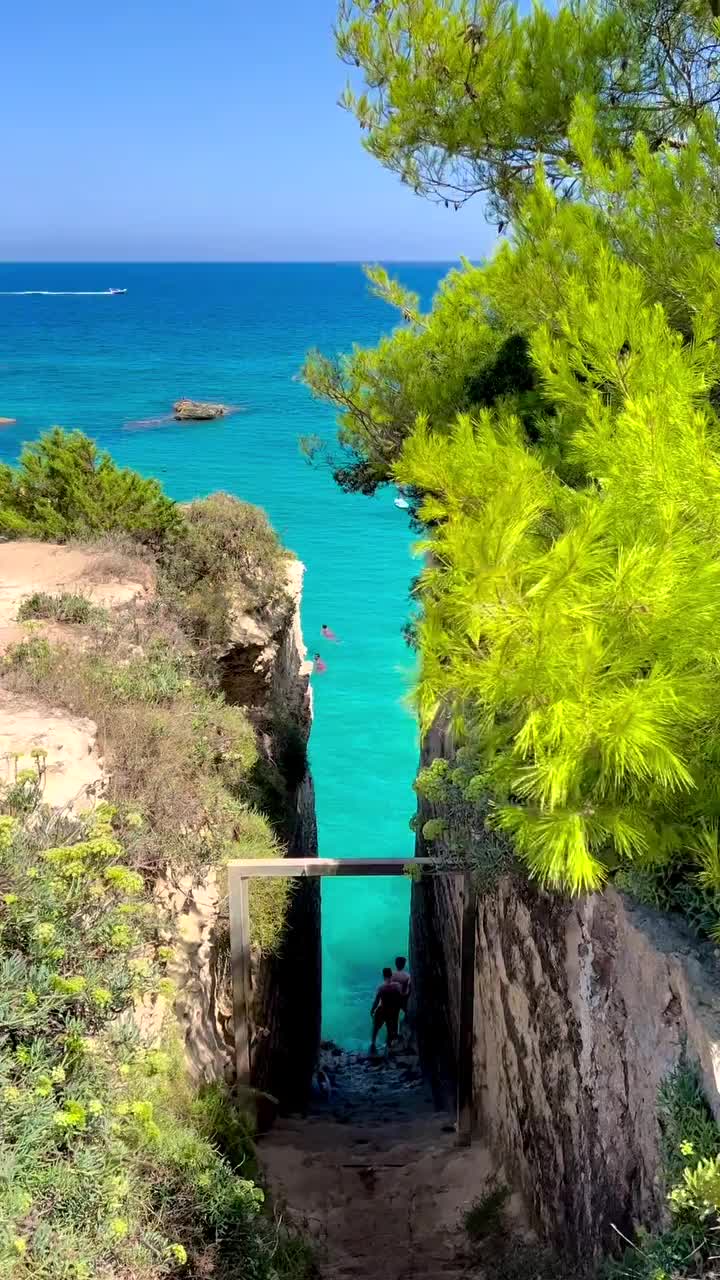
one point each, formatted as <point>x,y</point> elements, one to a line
<point>374,1177</point>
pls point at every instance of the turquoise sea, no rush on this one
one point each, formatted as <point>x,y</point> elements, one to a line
<point>238,333</point>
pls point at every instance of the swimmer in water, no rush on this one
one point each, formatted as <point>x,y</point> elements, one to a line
<point>319,665</point>
<point>327,633</point>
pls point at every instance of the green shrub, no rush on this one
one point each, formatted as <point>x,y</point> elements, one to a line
<point>226,556</point>
<point>65,607</point>
<point>485,1216</point>
<point>64,487</point>
<point>691,1159</point>
<point>109,1164</point>
<point>688,1126</point>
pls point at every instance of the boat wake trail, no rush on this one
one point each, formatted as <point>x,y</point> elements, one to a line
<point>60,293</point>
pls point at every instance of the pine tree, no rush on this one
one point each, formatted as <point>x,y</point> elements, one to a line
<point>571,622</point>
<point>65,487</point>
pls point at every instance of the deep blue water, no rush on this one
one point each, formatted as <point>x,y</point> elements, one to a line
<point>238,333</point>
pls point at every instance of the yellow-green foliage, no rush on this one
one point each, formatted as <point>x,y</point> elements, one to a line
<point>570,622</point>
<point>108,1163</point>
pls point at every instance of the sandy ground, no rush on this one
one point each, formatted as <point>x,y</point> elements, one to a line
<point>74,771</point>
<point>375,1178</point>
<point>73,766</point>
<point>26,567</point>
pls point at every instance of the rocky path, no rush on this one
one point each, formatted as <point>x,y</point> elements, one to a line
<point>373,1175</point>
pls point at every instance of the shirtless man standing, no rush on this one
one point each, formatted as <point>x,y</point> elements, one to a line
<point>385,1010</point>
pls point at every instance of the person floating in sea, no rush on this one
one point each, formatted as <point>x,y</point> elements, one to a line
<point>318,665</point>
<point>385,1010</point>
<point>327,633</point>
<point>404,981</point>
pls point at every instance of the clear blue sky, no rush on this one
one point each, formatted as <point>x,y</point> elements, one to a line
<point>196,129</point>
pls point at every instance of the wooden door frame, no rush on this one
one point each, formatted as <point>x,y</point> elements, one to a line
<point>240,872</point>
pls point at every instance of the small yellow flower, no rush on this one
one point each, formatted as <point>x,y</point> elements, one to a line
<point>10,899</point>
<point>119,1228</point>
<point>178,1254</point>
<point>20,1245</point>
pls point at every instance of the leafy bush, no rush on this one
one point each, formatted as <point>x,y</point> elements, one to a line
<point>691,1158</point>
<point>225,556</point>
<point>65,607</point>
<point>108,1164</point>
<point>65,487</point>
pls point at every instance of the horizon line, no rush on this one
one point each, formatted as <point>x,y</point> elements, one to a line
<point>221,262</point>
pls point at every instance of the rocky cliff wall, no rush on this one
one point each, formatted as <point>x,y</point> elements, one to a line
<point>287,986</point>
<point>582,1009</point>
<point>264,670</point>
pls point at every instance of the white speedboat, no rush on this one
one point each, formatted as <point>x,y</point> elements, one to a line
<point>117,290</point>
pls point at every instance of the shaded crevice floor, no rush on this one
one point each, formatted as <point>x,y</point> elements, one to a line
<point>373,1176</point>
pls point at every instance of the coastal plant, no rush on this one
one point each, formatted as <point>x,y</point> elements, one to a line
<point>225,558</point>
<point>65,607</point>
<point>691,1166</point>
<point>110,1165</point>
<point>64,486</point>
<point>468,97</point>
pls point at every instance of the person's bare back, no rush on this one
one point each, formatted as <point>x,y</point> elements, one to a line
<point>403,980</point>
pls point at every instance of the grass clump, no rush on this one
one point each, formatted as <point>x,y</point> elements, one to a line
<point>65,607</point>
<point>110,1167</point>
<point>485,1215</point>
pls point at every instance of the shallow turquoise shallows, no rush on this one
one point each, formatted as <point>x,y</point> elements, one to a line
<point>238,333</point>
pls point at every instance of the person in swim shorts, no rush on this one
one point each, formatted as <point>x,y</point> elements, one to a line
<point>385,1010</point>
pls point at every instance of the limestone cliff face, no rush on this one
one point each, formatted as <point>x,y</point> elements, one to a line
<point>582,1008</point>
<point>264,670</point>
<point>287,986</point>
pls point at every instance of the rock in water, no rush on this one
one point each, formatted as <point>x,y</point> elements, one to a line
<point>198,410</point>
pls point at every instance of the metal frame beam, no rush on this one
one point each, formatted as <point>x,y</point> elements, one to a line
<point>256,868</point>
